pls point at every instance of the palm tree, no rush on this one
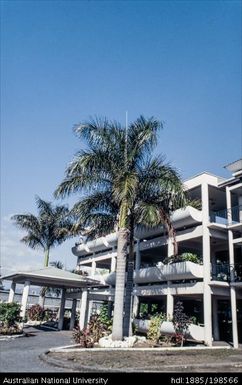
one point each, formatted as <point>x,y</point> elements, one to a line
<point>50,228</point>
<point>111,165</point>
<point>159,189</point>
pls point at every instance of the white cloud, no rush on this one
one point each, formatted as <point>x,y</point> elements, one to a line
<point>15,255</point>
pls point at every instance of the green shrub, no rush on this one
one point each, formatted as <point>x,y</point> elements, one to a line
<point>190,257</point>
<point>184,257</point>
<point>143,309</point>
<point>104,317</point>
<point>9,314</point>
<point>154,327</point>
<point>36,313</point>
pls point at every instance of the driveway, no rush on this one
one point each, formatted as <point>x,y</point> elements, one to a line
<point>22,354</point>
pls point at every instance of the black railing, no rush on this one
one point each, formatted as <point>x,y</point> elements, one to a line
<point>227,273</point>
<point>227,216</point>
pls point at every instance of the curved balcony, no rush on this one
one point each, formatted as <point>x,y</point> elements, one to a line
<point>172,272</point>
<point>195,332</point>
<point>180,218</point>
<point>95,245</point>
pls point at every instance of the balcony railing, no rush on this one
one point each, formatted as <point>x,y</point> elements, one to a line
<point>227,216</point>
<point>226,272</point>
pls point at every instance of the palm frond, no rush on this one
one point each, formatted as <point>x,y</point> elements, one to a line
<point>33,241</point>
<point>147,214</point>
<point>142,138</point>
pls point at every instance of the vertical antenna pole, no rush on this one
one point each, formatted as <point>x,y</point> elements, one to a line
<point>126,136</point>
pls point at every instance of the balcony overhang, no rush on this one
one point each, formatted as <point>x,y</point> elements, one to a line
<point>98,244</point>
<point>180,218</point>
<point>171,272</point>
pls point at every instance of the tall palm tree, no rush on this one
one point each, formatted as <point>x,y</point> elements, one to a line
<point>98,212</point>
<point>112,164</point>
<point>50,228</point>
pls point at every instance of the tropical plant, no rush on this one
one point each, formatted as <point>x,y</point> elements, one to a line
<point>143,310</point>
<point>50,228</point>
<point>123,187</point>
<point>91,334</point>
<point>184,257</point>
<point>83,337</point>
<point>154,333</point>
<point>190,257</point>
<point>9,318</point>
<point>104,317</point>
<point>36,313</point>
<point>9,313</point>
<point>181,323</point>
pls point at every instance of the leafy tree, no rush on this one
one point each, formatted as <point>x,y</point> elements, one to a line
<point>50,228</point>
<point>114,176</point>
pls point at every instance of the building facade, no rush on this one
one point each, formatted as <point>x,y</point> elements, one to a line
<point>210,286</point>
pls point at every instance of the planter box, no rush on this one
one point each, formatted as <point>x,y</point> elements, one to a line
<point>195,332</point>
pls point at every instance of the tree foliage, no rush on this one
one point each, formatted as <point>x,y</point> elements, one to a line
<point>50,228</point>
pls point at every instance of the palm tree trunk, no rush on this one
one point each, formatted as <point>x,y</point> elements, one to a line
<point>44,289</point>
<point>47,254</point>
<point>170,230</point>
<point>117,331</point>
<point>129,283</point>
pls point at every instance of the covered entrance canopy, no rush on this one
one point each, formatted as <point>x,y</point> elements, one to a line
<point>53,277</point>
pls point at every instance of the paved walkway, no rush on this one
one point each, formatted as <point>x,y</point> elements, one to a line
<point>22,354</point>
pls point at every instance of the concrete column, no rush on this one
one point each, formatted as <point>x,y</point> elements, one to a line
<point>135,306</point>
<point>93,270</point>
<point>234,317</point>
<point>169,302</point>
<point>83,308</point>
<point>12,292</point>
<point>170,249</point>
<point>137,257</point>
<point>229,204</point>
<point>73,314</point>
<point>89,312</point>
<point>25,299</point>
<point>233,291</point>
<point>216,336</point>
<point>207,298</point>
<point>113,263</point>
<point>240,207</point>
<point>231,254</point>
<point>62,310</point>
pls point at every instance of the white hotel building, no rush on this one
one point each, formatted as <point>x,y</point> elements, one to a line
<point>211,290</point>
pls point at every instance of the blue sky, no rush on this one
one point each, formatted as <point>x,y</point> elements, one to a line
<point>63,61</point>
